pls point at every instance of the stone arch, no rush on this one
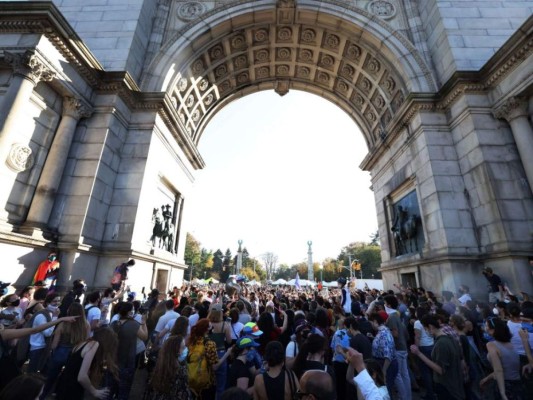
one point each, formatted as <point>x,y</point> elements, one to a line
<point>342,53</point>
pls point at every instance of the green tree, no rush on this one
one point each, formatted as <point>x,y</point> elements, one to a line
<point>374,238</point>
<point>192,250</point>
<point>369,257</point>
<point>218,259</point>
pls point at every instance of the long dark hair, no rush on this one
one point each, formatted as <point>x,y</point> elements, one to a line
<point>106,355</point>
<point>26,386</point>
<point>180,327</point>
<point>314,344</point>
<point>167,365</point>
<point>373,367</point>
<point>76,331</point>
<point>265,324</point>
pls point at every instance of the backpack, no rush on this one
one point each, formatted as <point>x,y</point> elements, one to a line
<point>198,368</point>
<point>23,344</point>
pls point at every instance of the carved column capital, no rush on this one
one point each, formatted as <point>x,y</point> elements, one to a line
<point>76,108</point>
<point>30,66</point>
<point>512,108</point>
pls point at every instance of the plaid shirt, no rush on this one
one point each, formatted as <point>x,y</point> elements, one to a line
<point>448,330</point>
<point>383,344</point>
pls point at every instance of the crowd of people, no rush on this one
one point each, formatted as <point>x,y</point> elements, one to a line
<point>232,341</point>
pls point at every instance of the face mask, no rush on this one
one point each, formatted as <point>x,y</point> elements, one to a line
<point>15,303</point>
<point>52,307</point>
<point>52,258</point>
<point>478,309</point>
<point>183,354</point>
<point>495,311</point>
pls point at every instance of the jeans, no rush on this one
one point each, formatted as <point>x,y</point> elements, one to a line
<point>390,376</point>
<point>121,388</point>
<point>36,357</point>
<point>403,381</point>
<point>221,375</point>
<point>56,362</point>
<point>426,372</point>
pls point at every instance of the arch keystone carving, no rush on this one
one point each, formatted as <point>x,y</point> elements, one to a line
<point>282,87</point>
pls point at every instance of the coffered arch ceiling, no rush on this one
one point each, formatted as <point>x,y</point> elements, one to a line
<point>368,72</point>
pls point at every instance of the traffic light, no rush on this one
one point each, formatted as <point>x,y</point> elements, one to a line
<point>356,266</point>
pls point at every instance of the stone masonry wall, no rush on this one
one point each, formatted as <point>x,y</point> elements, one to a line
<point>462,35</point>
<point>116,31</point>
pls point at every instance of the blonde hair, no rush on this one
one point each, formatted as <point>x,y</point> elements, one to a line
<point>215,316</point>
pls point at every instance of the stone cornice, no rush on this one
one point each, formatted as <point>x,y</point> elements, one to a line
<point>512,53</point>
<point>122,84</point>
<point>43,17</point>
<point>516,49</point>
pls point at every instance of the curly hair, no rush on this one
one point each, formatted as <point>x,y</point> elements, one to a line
<point>198,331</point>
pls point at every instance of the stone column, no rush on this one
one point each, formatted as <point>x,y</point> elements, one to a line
<point>515,112</point>
<point>310,272</point>
<point>43,201</point>
<point>28,71</point>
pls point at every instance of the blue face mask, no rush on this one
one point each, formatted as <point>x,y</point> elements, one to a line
<point>183,355</point>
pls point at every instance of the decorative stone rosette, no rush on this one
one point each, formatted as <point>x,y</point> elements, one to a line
<point>20,158</point>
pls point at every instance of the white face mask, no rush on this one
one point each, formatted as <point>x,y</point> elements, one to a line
<point>495,311</point>
<point>52,307</point>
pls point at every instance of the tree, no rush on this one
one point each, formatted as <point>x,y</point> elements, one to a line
<point>271,261</point>
<point>218,259</point>
<point>374,238</point>
<point>369,257</point>
<point>192,250</point>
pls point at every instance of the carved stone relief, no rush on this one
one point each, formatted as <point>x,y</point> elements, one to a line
<point>191,10</point>
<point>20,158</point>
<point>382,8</point>
<point>303,52</point>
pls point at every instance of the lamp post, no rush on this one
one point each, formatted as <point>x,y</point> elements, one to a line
<point>350,265</point>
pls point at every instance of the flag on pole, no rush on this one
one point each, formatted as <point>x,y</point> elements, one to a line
<point>297,281</point>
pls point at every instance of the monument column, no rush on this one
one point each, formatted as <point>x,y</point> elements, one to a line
<point>514,111</point>
<point>28,71</point>
<point>43,201</point>
<point>310,274</point>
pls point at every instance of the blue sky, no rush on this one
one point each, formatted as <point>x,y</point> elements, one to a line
<point>281,171</point>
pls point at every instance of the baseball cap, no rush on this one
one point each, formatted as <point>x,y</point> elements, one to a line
<point>251,328</point>
<point>246,342</point>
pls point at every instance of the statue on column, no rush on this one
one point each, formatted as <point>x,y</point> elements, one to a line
<point>47,272</point>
